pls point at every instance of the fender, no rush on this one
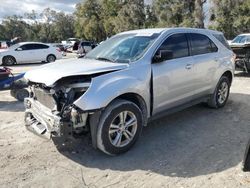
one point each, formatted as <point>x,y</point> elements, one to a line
<point>107,87</point>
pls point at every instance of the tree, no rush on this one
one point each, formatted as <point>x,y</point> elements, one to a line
<point>150,19</point>
<point>199,13</point>
<point>109,10</point>
<point>63,26</point>
<point>242,20</point>
<point>131,16</point>
<point>88,21</point>
<point>222,15</point>
<point>14,26</point>
<point>231,17</point>
<point>47,33</point>
<point>174,13</point>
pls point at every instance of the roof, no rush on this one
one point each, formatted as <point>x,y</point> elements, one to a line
<point>23,43</point>
<point>246,34</point>
<point>160,30</point>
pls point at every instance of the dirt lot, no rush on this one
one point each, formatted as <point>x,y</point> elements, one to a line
<point>197,147</point>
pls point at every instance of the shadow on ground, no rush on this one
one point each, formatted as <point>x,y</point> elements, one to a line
<point>11,106</point>
<point>242,74</point>
<point>193,142</point>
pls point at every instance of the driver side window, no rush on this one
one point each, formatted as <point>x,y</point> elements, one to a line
<point>176,46</point>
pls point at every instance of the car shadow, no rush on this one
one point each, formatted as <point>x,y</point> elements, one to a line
<point>11,106</point>
<point>28,64</point>
<point>242,74</point>
<point>196,141</point>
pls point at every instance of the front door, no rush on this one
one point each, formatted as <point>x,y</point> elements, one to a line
<point>173,78</point>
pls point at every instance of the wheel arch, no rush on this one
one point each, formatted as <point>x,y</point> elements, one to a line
<point>138,100</point>
<point>229,75</point>
<point>8,56</point>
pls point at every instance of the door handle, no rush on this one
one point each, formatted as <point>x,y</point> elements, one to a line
<point>189,66</point>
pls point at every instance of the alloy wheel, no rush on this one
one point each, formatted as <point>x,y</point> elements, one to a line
<point>223,92</point>
<point>123,129</point>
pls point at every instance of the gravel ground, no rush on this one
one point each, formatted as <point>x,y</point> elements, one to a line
<point>197,147</point>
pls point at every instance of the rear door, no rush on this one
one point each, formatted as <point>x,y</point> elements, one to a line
<point>205,56</point>
<point>40,52</point>
<point>173,79</point>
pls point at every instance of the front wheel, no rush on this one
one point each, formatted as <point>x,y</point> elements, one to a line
<point>221,93</point>
<point>9,60</point>
<point>119,127</point>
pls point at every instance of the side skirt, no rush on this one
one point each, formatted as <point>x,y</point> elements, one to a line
<point>178,108</point>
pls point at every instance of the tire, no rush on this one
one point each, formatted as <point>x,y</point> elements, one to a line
<point>51,58</point>
<point>246,160</point>
<point>9,60</point>
<point>13,93</point>
<point>220,96</point>
<point>21,94</point>
<point>107,136</point>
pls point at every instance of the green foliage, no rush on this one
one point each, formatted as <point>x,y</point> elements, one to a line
<point>231,17</point>
<point>54,27</point>
<point>174,13</point>
<point>130,16</point>
<point>12,27</point>
<point>99,19</point>
<point>89,24</point>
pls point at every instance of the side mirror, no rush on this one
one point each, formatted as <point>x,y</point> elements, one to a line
<point>162,55</point>
<point>19,49</point>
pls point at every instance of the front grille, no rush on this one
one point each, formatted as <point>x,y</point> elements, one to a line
<point>45,98</point>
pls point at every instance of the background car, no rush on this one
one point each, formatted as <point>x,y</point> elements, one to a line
<point>26,52</point>
<point>60,46</point>
<point>241,39</point>
<point>3,45</point>
<point>241,47</point>
<point>85,47</point>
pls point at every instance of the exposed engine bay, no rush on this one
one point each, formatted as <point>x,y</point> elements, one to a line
<point>51,109</point>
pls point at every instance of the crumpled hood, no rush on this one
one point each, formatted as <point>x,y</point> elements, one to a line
<point>50,73</point>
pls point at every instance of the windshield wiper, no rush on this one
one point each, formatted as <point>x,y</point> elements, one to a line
<point>105,59</point>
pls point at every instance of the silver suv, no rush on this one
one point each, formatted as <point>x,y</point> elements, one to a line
<point>129,79</point>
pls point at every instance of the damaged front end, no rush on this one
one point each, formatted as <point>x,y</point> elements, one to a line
<point>50,111</point>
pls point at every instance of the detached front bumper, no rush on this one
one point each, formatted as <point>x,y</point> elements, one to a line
<point>43,122</point>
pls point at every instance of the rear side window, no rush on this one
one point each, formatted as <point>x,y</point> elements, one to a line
<point>86,44</point>
<point>222,39</point>
<point>177,45</point>
<point>40,46</point>
<point>27,47</point>
<point>201,44</point>
<point>34,46</point>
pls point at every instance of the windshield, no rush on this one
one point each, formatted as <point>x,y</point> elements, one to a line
<point>242,39</point>
<point>123,48</point>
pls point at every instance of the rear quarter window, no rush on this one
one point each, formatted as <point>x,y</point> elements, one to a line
<point>222,39</point>
<point>201,44</point>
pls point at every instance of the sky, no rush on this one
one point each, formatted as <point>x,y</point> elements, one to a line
<point>19,7</point>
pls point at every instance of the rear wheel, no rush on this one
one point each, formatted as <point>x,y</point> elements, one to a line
<point>9,60</point>
<point>221,93</point>
<point>51,58</point>
<point>119,127</point>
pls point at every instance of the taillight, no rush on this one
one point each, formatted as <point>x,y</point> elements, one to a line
<point>58,49</point>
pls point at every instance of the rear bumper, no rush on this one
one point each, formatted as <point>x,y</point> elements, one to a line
<point>40,120</point>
